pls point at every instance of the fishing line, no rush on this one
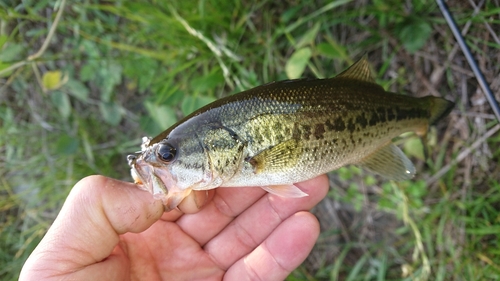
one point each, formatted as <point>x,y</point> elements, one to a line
<point>470,59</point>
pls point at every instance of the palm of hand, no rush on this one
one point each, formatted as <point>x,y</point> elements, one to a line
<point>243,233</point>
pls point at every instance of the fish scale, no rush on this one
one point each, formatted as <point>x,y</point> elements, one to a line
<point>285,132</point>
<point>346,128</point>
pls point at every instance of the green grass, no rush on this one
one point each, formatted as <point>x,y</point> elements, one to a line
<point>116,71</point>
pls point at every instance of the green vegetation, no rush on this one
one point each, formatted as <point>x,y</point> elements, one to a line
<point>114,71</point>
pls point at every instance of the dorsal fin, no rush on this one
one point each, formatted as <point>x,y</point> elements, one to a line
<point>360,70</point>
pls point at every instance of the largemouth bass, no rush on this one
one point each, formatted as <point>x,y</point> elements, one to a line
<point>285,132</point>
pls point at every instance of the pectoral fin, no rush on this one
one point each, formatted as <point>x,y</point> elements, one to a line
<point>285,191</point>
<point>390,162</point>
<point>277,158</point>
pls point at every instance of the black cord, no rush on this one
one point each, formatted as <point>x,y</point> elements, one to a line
<point>472,63</point>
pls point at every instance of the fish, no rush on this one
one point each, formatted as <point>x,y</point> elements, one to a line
<point>285,132</point>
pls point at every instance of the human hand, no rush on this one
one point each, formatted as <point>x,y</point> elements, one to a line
<point>111,230</point>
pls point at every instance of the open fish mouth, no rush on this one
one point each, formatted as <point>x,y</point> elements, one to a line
<point>157,181</point>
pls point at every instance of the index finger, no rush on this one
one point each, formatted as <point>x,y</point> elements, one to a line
<point>226,204</point>
<point>231,202</point>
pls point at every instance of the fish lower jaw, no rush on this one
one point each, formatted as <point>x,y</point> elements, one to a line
<point>137,179</point>
<point>170,196</point>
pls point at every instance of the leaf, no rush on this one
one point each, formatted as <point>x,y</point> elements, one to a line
<point>148,68</point>
<point>190,103</point>
<point>52,79</point>
<point>248,78</point>
<point>87,147</point>
<point>417,189</point>
<point>143,69</point>
<point>111,112</point>
<point>309,37</point>
<point>61,101</point>
<point>115,71</point>
<point>90,49</point>
<point>8,123</point>
<point>331,51</point>
<point>370,180</point>
<point>296,65</point>
<point>208,82</point>
<point>290,13</point>
<point>173,98</point>
<point>149,126</point>
<point>78,89</point>
<point>4,66</point>
<point>110,76</point>
<point>67,145</point>
<point>163,115</point>
<point>203,100</point>
<point>11,52</point>
<point>345,173</point>
<point>3,39</point>
<point>88,71</point>
<point>413,33</point>
<point>414,147</point>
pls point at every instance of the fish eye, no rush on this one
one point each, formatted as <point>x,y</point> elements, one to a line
<point>166,152</point>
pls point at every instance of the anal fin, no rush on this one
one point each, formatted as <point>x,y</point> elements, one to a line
<point>389,162</point>
<point>289,190</point>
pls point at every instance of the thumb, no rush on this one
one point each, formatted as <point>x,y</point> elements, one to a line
<point>96,212</point>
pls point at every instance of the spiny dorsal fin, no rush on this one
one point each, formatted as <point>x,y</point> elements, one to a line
<point>360,70</point>
<point>389,162</point>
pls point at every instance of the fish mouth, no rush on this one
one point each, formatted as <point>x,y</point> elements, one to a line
<point>157,181</point>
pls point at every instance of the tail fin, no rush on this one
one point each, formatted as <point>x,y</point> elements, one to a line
<point>439,108</point>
